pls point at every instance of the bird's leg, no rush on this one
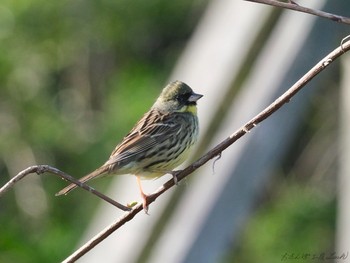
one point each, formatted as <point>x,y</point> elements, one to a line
<point>143,195</point>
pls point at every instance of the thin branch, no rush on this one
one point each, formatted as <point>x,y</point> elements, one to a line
<point>293,6</point>
<point>40,169</point>
<point>217,150</point>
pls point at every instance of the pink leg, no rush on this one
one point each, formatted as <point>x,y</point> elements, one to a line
<point>143,195</point>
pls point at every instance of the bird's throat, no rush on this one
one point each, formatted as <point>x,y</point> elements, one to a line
<point>189,108</point>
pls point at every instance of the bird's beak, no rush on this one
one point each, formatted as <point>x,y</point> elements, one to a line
<point>194,97</point>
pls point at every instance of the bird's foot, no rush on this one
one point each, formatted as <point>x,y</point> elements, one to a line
<point>174,174</point>
<point>145,202</point>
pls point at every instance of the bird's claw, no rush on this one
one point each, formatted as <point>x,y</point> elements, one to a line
<point>174,174</point>
<point>145,203</point>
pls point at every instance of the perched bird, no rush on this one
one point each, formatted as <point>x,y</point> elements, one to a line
<point>158,143</point>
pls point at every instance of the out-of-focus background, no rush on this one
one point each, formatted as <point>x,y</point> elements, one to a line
<point>76,75</point>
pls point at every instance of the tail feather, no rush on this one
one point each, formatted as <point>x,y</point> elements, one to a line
<point>97,173</point>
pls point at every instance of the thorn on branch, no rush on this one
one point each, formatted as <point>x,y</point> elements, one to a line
<point>343,41</point>
<point>327,62</point>
<point>335,18</point>
<point>217,158</point>
<point>289,2</point>
<point>41,169</point>
<point>246,128</point>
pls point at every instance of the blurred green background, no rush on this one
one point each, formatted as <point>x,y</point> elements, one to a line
<point>74,78</point>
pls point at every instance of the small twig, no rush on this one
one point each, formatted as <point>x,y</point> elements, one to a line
<point>40,169</point>
<point>278,103</point>
<point>299,8</point>
<point>218,157</point>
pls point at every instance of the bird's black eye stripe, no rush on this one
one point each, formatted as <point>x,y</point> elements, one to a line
<point>183,98</point>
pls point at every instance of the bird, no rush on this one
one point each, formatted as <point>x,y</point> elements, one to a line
<point>159,142</point>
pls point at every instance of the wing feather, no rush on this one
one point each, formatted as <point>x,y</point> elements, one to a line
<point>153,129</point>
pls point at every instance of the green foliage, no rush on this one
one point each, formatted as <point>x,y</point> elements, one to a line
<point>295,220</point>
<point>75,76</point>
<point>299,221</point>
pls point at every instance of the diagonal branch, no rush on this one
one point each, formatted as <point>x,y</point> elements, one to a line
<point>40,169</point>
<point>217,150</point>
<point>293,6</point>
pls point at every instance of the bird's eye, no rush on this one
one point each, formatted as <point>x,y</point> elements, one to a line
<point>179,98</point>
<point>183,97</point>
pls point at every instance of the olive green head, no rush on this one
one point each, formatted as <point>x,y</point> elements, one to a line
<point>177,97</point>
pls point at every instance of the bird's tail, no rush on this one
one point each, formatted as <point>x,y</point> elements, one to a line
<point>97,173</point>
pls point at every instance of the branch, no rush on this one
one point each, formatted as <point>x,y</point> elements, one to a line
<point>216,151</point>
<point>293,6</point>
<point>40,169</point>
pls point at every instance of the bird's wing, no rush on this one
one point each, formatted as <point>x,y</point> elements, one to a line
<point>153,129</point>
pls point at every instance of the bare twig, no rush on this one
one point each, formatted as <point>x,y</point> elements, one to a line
<point>278,103</point>
<point>40,169</point>
<point>293,6</point>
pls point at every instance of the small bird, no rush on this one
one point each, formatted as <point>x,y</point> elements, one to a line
<point>158,143</point>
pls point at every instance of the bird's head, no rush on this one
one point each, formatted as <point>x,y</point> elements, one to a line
<point>177,97</point>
